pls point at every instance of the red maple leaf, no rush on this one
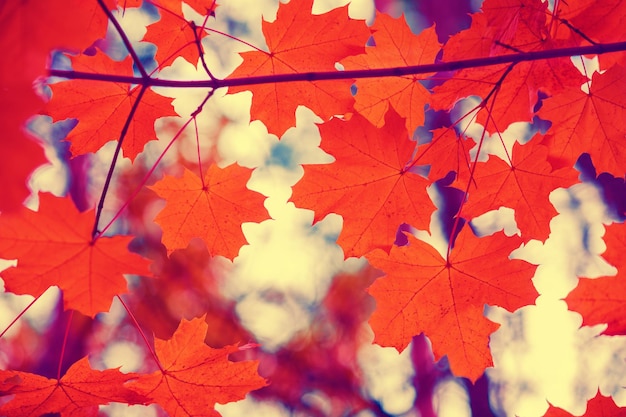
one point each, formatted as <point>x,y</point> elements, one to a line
<point>211,208</point>
<point>444,298</point>
<point>596,20</point>
<point>78,393</point>
<point>25,46</point>
<point>515,92</point>
<point>505,27</point>
<point>102,108</point>
<point>20,154</point>
<point>203,7</point>
<point>369,184</point>
<point>599,406</point>
<point>54,246</point>
<point>300,42</point>
<point>194,376</point>
<point>589,122</point>
<point>395,46</point>
<point>501,27</point>
<point>602,300</point>
<point>523,185</point>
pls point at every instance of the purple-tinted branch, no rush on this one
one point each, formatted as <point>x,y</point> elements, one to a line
<point>95,232</point>
<point>198,43</point>
<point>125,39</point>
<point>597,49</point>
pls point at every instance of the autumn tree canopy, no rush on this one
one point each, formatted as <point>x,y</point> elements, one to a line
<point>427,158</point>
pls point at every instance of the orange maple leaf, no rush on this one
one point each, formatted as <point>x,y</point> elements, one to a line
<point>445,298</point>
<point>369,184</point>
<point>395,46</point>
<point>173,34</point>
<point>602,300</point>
<point>54,246</point>
<point>103,107</point>
<point>211,208</point>
<point>188,283</point>
<point>589,122</point>
<point>447,151</point>
<point>299,42</point>
<point>515,94</point>
<point>524,186</point>
<point>78,393</point>
<point>194,376</point>
<point>599,406</point>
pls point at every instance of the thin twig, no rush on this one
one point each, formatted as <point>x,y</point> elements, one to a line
<point>67,332</point>
<point>125,39</point>
<point>509,47</point>
<point>578,31</point>
<point>493,93</point>
<point>198,43</point>
<point>18,316</point>
<point>156,163</point>
<point>143,335</point>
<point>95,232</point>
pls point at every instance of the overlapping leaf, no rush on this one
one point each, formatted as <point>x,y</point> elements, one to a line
<point>506,27</point>
<point>524,186</point>
<point>599,406</point>
<point>444,298</point>
<point>599,21</point>
<point>194,376</point>
<point>300,42</point>
<point>173,34</point>
<point>211,208</point>
<point>102,108</point>
<point>369,184</point>
<point>447,151</point>
<point>602,300</point>
<point>78,393</point>
<point>54,246</point>
<point>590,122</point>
<point>188,284</point>
<point>395,46</point>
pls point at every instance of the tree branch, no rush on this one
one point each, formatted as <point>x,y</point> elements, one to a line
<point>597,49</point>
<point>95,232</point>
<point>125,40</point>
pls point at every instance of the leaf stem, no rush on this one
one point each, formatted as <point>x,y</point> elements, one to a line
<point>95,232</point>
<point>125,40</point>
<point>67,332</point>
<point>474,164</point>
<point>156,163</point>
<point>143,335</point>
<point>18,316</point>
<point>256,48</point>
<point>198,43</point>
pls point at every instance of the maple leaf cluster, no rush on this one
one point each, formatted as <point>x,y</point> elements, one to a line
<point>373,88</point>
